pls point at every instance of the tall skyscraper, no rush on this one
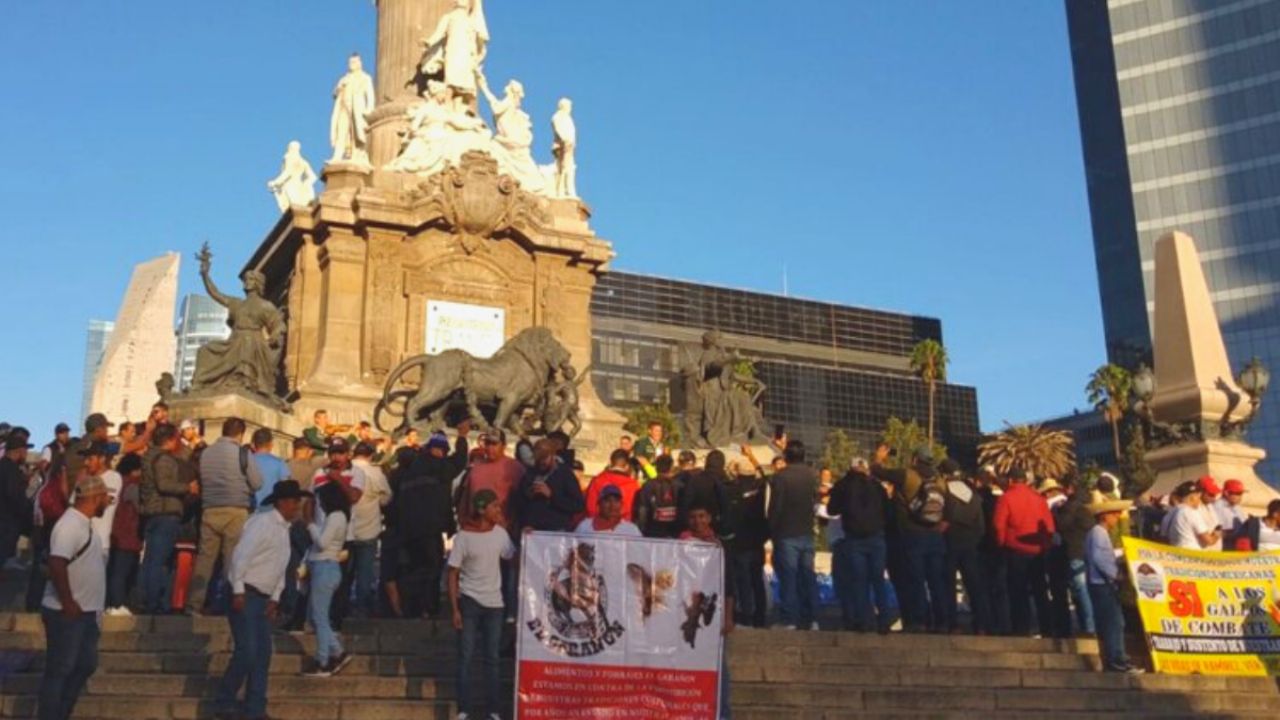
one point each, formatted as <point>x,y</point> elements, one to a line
<point>142,345</point>
<point>201,320</point>
<point>1179,104</point>
<point>95,346</point>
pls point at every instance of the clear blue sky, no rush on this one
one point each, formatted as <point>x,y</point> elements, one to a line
<point>911,155</point>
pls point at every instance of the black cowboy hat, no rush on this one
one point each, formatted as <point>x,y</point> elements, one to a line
<point>286,490</point>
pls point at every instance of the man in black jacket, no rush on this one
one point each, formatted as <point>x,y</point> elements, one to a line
<point>1066,561</point>
<point>15,509</point>
<point>424,505</point>
<point>745,530</point>
<point>861,503</point>
<point>551,496</point>
<point>966,529</point>
<point>791,515</point>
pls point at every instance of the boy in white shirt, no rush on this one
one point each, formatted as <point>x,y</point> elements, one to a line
<point>475,589</point>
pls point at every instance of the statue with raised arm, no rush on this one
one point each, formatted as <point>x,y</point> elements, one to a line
<point>295,185</point>
<point>353,100</point>
<point>722,404</point>
<point>248,360</point>
<point>566,145</point>
<point>513,142</point>
<point>456,49</point>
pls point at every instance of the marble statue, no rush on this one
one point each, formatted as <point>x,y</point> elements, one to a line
<point>566,143</point>
<point>295,185</point>
<point>719,410</point>
<point>531,371</point>
<point>248,360</point>
<point>513,142</point>
<point>438,136</point>
<point>353,100</point>
<point>457,48</point>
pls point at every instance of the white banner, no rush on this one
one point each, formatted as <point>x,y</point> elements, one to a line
<point>617,627</point>
<point>474,329</point>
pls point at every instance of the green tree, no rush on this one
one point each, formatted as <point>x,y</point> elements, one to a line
<point>838,451</point>
<point>904,438</point>
<point>1138,475</point>
<point>1040,451</point>
<point>639,417</point>
<point>1108,390</point>
<point>929,361</point>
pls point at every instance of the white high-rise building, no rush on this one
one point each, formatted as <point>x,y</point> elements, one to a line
<point>94,348</point>
<point>142,345</point>
<point>201,321</point>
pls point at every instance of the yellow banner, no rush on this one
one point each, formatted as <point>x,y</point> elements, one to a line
<point>1209,613</point>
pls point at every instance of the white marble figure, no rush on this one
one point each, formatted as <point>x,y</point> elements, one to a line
<point>353,100</point>
<point>566,144</point>
<point>295,185</point>
<point>437,135</point>
<point>513,141</point>
<point>458,47</point>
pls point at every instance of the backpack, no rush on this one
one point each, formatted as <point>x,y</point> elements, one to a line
<point>666,506</point>
<point>929,503</point>
<point>863,515</point>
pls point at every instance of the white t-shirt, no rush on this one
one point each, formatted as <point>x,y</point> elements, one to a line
<point>478,557</point>
<point>1268,539</point>
<point>628,529</point>
<point>1212,521</point>
<point>1187,524</point>
<point>88,574</point>
<point>102,525</point>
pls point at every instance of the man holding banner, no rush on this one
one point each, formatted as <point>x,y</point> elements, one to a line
<point>1103,574</point>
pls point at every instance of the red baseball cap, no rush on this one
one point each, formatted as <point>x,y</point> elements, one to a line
<point>1233,487</point>
<point>1209,486</point>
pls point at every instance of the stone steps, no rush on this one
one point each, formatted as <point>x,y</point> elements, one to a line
<point>167,668</point>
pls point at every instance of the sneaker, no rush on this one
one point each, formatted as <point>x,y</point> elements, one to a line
<point>494,716</point>
<point>787,627</point>
<point>336,664</point>
<point>463,716</point>
<point>814,626</point>
<point>1134,670</point>
<point>118,612</point>
<point>319,671</point>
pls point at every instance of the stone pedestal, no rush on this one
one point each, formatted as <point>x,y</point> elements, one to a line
<point>213,410</point>
<point>1195,388</point>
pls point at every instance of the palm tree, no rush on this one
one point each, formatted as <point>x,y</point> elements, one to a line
<point>1043,452</point>
<point>1109,389</point>
<point>929,361</point>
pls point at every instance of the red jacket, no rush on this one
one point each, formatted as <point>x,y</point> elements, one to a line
<point>1023,522</point>
<point>625,482</point>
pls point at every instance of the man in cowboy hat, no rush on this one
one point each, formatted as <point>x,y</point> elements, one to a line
<point>256,574</point>
<point>1104,578</point>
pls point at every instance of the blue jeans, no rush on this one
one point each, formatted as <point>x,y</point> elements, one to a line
<point>926,605</point>
<point>157,573</point>
<point>251,659</point>
<point>480,624</point>
<point>326,575</point>
<point>967,561</point>
<point>725,714</point>
<point>798,583</point>
<point>865,560</point>
<point>71,658</point>
<point>1080,596</point>
<point>121,567</point>
<point>750,603</point>
<point>364,558</point>
<point>840,582</point>
<point>1110,622</point>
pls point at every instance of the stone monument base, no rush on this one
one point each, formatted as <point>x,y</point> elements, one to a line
<point>1221,459</point>
<point>212,410</point>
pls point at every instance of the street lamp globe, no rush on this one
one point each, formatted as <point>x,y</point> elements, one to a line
<point>1144,383</point>
<point>1255,378</point>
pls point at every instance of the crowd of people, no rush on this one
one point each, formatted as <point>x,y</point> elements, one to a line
<point>352,525</point>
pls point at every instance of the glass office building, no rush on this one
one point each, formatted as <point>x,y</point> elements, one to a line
<point>201,321</point>
<point>826,366</point>
<point>1179,104</point>
<point>95,347</point>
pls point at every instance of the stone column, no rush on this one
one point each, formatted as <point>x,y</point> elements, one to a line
<point>402,24</point>
<point>342,264</point>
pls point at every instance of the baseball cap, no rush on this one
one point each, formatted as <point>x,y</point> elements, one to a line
<point>337,446</point>
<point>61,428</point>
<point>1233,487</point>
<point>90,485</point>
<point>94,448</point>
<point>97,421</point>
<point>438,440</point>
<point>483,499</point>
<point>187,425</point>
<point>1209,486</point>
<point>610,491</point>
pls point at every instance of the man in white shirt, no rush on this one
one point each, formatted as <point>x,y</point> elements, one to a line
<point>609,519</point>
<point>366,527</point>
<point>1190,528</point>
<point>74,598</point>
<point>1231,516</point>
<point>102,525</point>
<point>1209,496</point>
<point>256,574</point>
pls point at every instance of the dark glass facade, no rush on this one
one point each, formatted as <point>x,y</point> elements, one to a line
<point>826,366</point>
<point>1179,105</point>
